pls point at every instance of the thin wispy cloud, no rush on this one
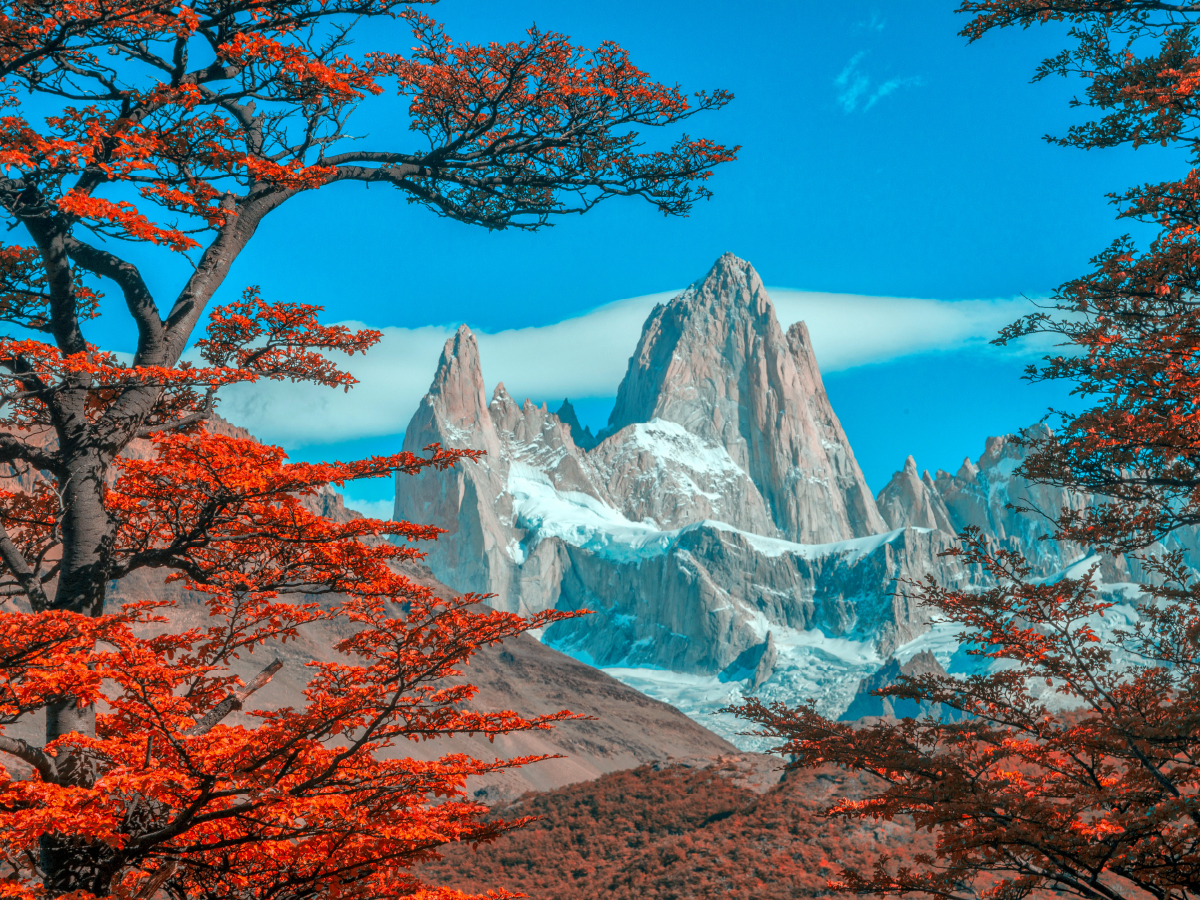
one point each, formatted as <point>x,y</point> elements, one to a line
<point>851,83</point>
<point>875,23</point>
<point>856,89</point>
<point>546,362</point>
<point>889,86</point>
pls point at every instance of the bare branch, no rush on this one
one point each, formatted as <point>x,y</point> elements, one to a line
<point>19,566</point>
<point>234,701</point>
<point>12,448</point>
<point>203,415</point>
<point>137,296</point>
<point>37,757</point>
<point>157,880</point>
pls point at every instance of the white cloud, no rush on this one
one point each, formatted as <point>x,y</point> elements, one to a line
<point>586,356</point>
<point>854,86</point>
<point>851,330</point>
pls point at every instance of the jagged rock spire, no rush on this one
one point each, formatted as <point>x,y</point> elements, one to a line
<point>716,361</point>
<point>910,499</point>
<point>582,436</point>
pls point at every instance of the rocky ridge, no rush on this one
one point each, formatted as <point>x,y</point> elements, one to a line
<point>867,704</point>
<point>987,495</point>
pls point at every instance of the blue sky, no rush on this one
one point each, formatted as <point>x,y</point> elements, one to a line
<point>881,156</point>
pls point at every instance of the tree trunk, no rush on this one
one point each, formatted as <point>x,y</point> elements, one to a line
<point>87,535</point>
<point>69,862</point>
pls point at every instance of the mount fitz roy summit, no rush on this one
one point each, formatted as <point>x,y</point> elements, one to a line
<point>719,528</point>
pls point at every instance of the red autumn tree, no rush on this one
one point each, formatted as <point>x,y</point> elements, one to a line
<point>177,128</point>
<point>1076,767</point>
<point>160,794</point>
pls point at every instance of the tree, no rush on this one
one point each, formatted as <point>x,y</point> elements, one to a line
<point>216,115</point>
<point>178,129</point>
<point>160,794</point>
<point>1075,767</point>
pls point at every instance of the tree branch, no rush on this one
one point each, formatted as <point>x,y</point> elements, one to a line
<point>195,418</point>
<point>13,448</point>
<point>234,701</point>
<point>137,296</point>
<point>213,266</point>
<point>42,761</point>
<point>19,566</point>
<point>49,233</point>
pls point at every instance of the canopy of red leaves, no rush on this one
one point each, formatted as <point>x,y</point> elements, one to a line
<point>181,128</point>
<point>671,831</point>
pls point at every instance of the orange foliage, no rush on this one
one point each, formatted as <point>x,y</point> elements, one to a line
<point>164,795</point>
<point>180,128</point>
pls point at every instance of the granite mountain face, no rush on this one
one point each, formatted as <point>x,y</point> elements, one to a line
<point>715,361</point>
<point>719,528</point>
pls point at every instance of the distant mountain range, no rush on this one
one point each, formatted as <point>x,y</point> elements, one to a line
<point>719,528</point>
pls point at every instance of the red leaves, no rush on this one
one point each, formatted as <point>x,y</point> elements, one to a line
<point>1074,765</point>
<point>246,340</point>
<point>311,794</point>
<point>663,831</point>
<point>216,117</point>
<point>505,110</point>
<point>126,217</point>
<point>280,340</point>
<point>511,133</point>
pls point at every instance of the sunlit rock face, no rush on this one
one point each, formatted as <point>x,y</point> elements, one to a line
<point>715,361</point>
<point>722,429</point>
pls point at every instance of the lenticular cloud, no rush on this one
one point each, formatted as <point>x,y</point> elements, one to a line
<point>586,356</point>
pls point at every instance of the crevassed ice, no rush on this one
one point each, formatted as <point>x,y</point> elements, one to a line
<point>854,548</point>
<point>812,665</point>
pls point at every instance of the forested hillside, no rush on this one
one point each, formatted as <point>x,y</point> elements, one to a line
<point>665,832</point>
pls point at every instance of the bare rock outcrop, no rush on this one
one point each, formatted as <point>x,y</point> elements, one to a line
<point>711,594</point>
<point>867,703</point>
<point>912,499</point>
<point>1006,508</point>
<point>468,500</point>
<point>580,434</point>
<point>661,472</point>
<point>716,361</point>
